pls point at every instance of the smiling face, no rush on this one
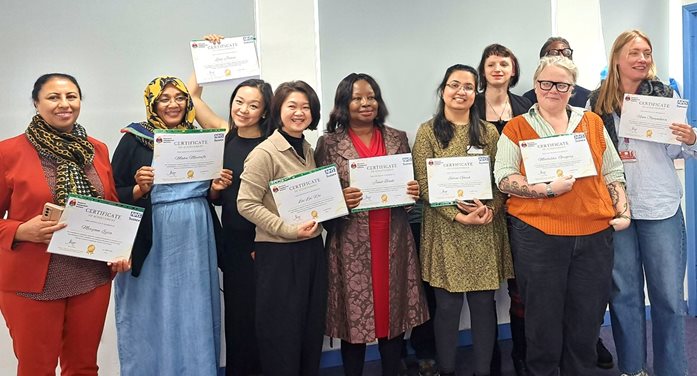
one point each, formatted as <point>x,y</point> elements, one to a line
<point>498,71</point>
<point>247,107</point>
<point>363,107</point>
<point>170,106</point>
<point>462,98</point>
<point>552,100</point>
<point>634,60</point>
<point>59,103</point>
<point>296,115</point>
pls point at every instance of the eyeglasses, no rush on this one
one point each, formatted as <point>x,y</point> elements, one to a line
<point>562,87</point>
<point>179,99</point>
<point>566,52</point>
<point>457,86</point>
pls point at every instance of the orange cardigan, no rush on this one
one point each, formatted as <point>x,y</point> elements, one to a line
<point>584,210</point>
<point>23,193</point>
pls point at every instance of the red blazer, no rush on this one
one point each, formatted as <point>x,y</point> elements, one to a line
<point>23,193</point>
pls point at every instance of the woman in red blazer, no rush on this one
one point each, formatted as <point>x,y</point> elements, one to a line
<point>54,305</point>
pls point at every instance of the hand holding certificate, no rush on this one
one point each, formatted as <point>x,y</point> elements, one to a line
<point>182,156</point>
<point>546,159</point>
<point>96,229</point>
<point>458,178</point>
<point>314,195</point>
<point>382,180</point>
<point>228,59</point>
<point>649,118</point>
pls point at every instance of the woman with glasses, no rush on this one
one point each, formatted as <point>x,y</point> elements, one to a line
<point>653,248</point>
<point>558,46</point>
<point>374,272</point>
<point>499,71</point>
<point>463,252</point>
<point>168,308</point>
<point>561,231</point>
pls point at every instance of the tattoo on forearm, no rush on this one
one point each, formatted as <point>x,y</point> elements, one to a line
<point>621,208</point>
<point>516,189</point>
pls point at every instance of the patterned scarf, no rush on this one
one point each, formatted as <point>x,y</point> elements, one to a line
<point>653,88</point>
<point>144,131</point>
<point>71,153</point>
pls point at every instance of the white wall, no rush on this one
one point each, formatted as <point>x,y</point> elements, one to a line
<point>115,48</point>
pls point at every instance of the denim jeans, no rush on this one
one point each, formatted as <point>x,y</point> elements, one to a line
<point>564,282</point>
<point>655,249</point>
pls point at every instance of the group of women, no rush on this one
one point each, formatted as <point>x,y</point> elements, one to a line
<point>574,244</point>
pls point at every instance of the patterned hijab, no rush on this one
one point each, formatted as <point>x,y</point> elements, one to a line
<point>70,151</point>
<point>144,130</point>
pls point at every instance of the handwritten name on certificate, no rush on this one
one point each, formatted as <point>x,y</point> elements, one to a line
<point>546,159</point>
<point>648,118</point>
<point>231,58</point>
<point>96,229</point>
<point>382,180</point>
<point>182,156</point>
<point>315,195</point>
<point>458,178</point>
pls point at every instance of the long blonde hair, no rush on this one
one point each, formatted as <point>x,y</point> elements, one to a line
<point>610,95</point>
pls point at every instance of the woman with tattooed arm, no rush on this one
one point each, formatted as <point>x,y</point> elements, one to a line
<point>561,231</point>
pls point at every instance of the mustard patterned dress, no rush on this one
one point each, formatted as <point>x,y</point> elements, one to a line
<point>456,257</point>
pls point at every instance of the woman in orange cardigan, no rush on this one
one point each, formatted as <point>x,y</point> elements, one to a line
<point>54,305</point>
<point>561,231</point>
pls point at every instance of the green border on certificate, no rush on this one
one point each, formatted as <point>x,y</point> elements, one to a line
<point>281,180</point>
<point>106,202</point>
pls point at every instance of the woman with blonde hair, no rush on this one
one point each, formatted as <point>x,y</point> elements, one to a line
<point>653,248</point>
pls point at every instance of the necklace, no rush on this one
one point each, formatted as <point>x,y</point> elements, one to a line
<point>503,110</point>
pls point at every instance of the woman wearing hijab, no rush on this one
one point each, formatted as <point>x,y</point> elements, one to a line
<point>54,305</point>
<point>168,308</point>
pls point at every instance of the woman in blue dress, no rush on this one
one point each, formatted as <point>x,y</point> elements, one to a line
<point>168,308</point>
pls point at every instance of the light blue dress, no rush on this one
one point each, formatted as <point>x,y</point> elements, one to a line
<point>168,319</point>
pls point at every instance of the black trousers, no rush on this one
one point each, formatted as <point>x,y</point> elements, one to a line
<point>564,282</point>
<point>291,301</point>
<point>242,351</point>
<point>422,338</point>
<point>353,356</point>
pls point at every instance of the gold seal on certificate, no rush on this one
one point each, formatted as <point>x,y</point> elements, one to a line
<point>182,156</point>
<point>230,59</point>
<point>314,195</point>
<point>546,159</point>
<point>382,180</point>
<point>96,229</point>
<point>458,178</point>
<point>649,118</point>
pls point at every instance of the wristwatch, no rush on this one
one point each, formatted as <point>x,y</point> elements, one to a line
<point>550,194</point>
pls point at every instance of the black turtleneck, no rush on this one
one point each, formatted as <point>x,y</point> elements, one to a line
<point>296,143</point>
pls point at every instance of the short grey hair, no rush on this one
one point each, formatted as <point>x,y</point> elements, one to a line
<point>557,61</point>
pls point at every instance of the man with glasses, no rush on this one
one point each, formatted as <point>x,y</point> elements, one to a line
<point>558,46</point>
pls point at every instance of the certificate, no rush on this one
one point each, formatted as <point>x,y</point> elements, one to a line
<point>546,159</point>
<point>458,178</point>
<point>648,118</point>
<point>314,195</point>
<point>182,156</point>
<point>96,229</point>
<point>382,180</point>
<point>231,58</point>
